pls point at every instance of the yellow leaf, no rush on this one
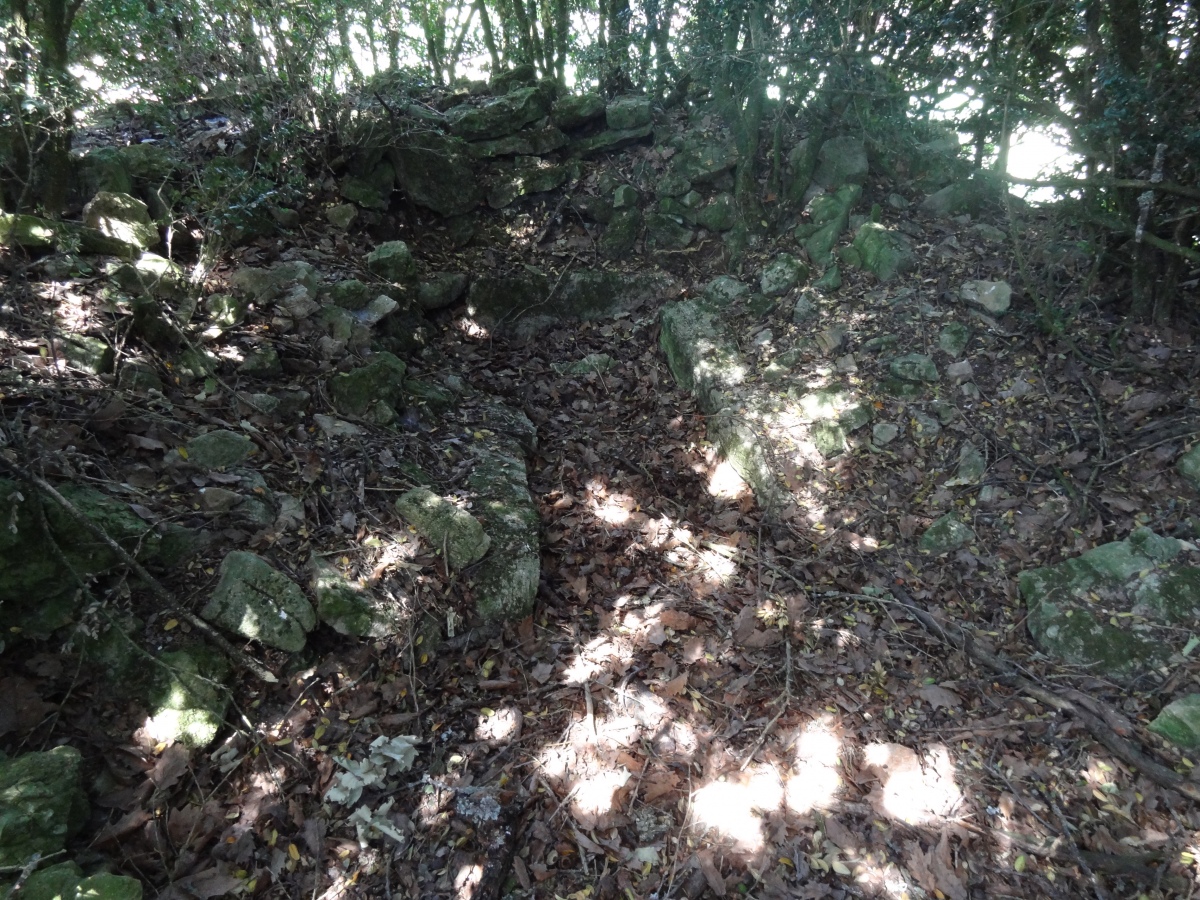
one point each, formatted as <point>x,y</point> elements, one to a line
<point>183,452</point>
<point>318,732</point>
<point>170,623</point>
<point>840,867</point>
<point>487,712</point>
<point>293,851</point>
<point>1019,865</point>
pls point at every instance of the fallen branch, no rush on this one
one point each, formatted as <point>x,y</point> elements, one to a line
<point>160,593</point>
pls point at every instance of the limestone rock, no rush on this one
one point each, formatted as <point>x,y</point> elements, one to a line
<point>884,433</point>
<point>725,290</point>
<point>42,804</point>
<point>347,607</point>
<point>437,172</point>
<point>506,580</point>
<point>1179,722</point>
<point>441,291</point>
<point>721,213</point>
<point>914,367</point>
<point>621,235</point>
<point>260,603</point>
<point>528,175</point>
<point>972,465</point>
<point>953,338</point>
<point>665,233</point>
<point>626,113</point>
<point>268,285</point>
<point>993,297</point>
<point>882,251</point>
<point>783,274</point>
<point>219,449</point>
<point>342,215</point>
<point>610,139</point>
<point>1189,466</point>
<point>445,526</point>
<point>187,702</point>
<point>575,110</point>
<point>360,392</point>
<point>122,218</point>
<point>500,117</point>
<point>1142,574</point>
<point>529,142</point>
<point>701,163</point>
<point>89,354</point>
<point>946,534</point>
<point>393,261</point>
<point>625,197</point>
<point>842,160</point>
<point>65,881</point>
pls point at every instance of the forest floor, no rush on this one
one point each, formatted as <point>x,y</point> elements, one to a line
<point>701,700</point>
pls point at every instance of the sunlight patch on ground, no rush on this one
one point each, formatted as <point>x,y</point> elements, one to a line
<point>914,790</point>
<point>466,880</point>
<point>472,329</point>
<point>601,654</point>
<point>815,781</point>
<point>614,509</point>
<point>734,808</point>
<point>725,482</point>
<point>499,725</point>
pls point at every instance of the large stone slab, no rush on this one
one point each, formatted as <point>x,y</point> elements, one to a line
<point>499,117</point>
<point>42,804</point>
<point>257,601</point>
<point>437,172</point>
<point>447,527</point>
<point>1120,609</point>
<point>525,303</point>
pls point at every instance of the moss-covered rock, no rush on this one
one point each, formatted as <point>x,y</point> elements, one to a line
<point>1179,722</point>
<point>882,251</point>
<point>436,172</point>
<point>720,214</point>
<point>505,582</point>
<point>346,607</point>
<point>626,113</point>
<point>916,367</point>
<point>528,175</point>
<point>446,526</point>
<point>953,339</point>
<point>42,804</point>
<point>529,142</point>
<point>946,534</point>
<point>621,235</point>
<point>1189,466</point>
<point>219,449</point>
<point>665,233</point>
<point>575,110</point>
<point>260,603</point>
<point>90,354</point>
<point>188,697</point>
<point>499,117</point>
<point>841,161</point>
<point>66,881</point>
<point>609,139</point>
<point>828,218</point>
<point>121,217</point>
<point>781,275</point>
<point>392,261</point>
<point>358,392</point>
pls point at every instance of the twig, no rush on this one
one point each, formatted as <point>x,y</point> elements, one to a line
<point>784,699</point>
<point>156,588</point>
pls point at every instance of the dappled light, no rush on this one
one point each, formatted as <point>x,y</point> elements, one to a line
<point>915,788</point>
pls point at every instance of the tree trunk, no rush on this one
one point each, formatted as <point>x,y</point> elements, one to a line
<point>489,39</point>
<point>57,87</point>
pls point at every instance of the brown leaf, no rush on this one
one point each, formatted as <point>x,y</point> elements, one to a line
<point>937,696</point>
<point>170,767</point>
<point>934,870</point>
<point>677,619</point>
<point>674,687</point>
<point>20,706</point>
<point>209,883</point>
<point>712,874</point>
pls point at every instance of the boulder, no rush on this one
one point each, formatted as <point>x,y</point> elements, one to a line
<point>627,113</point>
<point>86,353</point>
<point>505,582</point>
<point>607,140</point>
<point>436,172</point>
<point>527,175</point>
<point>953,338</point>
<point>519,76</point>
<point>219,449</point>
<point>42,804</point>
<point>993,297</point>
<point>946,534</point>
<point>530,142</point>
<point>702,163</point>
<point>66,881</point>
<point>188,697</point>
<point>915,367</point>
<point>1151,601</point>
<point>392,261</point>
<point>342,215</point>
<point>346,607</point>
<point>258,602</point>
<point>841,161</point>
<point>441,291</point>
<point>1179,722</point>
<point>721,213</point>
<point>725,290</point>
<point>445,526</point>
<point>666,233</point>
<point>882,251</point>
<point>36,595</point>
<point>1189,466</point>
<point>362,391</point>
<point>575,110</point>
<point>121,217</point>
<point>268,285</point>
<point>829,216</point>
<point>35,233</point>
<point>621,235</point>
<point>783,274</point>
<point>499,117</point>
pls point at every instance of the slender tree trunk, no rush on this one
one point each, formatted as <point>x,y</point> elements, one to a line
<point>489,39</point>
<point>57,87</point>
<point>562,33</point>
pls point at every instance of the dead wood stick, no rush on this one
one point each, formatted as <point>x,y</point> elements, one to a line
<point>156,588</point>
<point>1124,750</point>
